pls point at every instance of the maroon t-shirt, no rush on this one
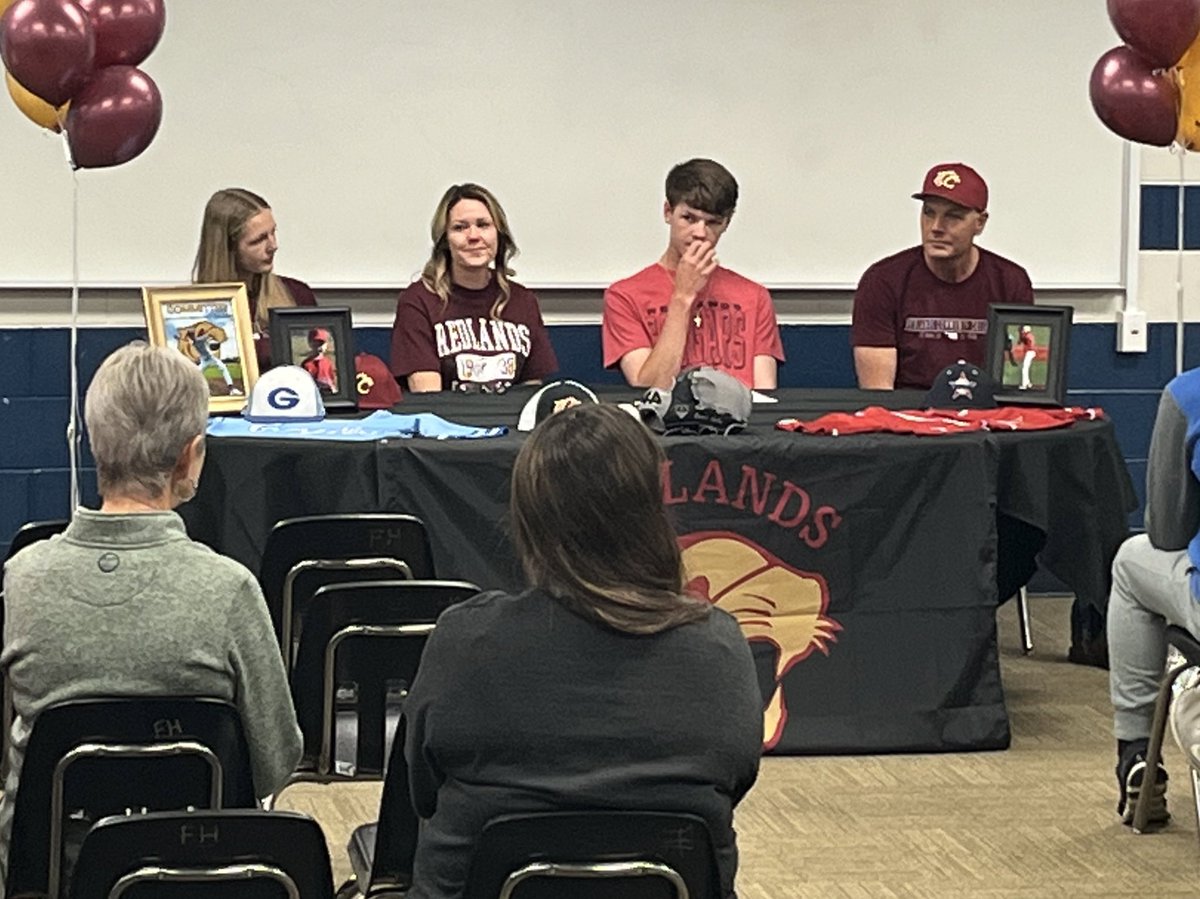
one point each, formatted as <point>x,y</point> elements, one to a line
<point>471,350</point>
<point>302,295</point>
<point>932,323</point>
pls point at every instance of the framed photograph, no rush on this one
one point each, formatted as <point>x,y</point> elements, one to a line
<point>321,341</point>
<point>210,325</point>
<point>1027,353</point>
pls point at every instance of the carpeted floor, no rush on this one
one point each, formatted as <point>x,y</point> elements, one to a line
<point>1037,820</point>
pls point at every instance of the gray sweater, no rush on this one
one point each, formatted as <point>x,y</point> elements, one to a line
<point>521,705</point>
<point>127,605</point>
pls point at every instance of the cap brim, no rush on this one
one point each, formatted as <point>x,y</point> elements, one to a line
<point>924,196</point>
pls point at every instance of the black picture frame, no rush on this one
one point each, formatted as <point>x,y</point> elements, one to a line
<point>292,343</point>
<point>1027,353</point>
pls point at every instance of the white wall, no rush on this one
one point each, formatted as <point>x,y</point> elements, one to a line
<point>352,118</point>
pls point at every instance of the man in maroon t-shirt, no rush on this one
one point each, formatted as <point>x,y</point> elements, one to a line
<point>926,307</point>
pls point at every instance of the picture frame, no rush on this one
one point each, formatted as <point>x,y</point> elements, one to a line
<point>210,325</point>
<point>296,339</point>
<point>1027,353</point>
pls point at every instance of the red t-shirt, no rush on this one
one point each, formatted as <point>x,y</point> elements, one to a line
<point>932,323</point>
<point>472,350</point>
<point>737,321</point>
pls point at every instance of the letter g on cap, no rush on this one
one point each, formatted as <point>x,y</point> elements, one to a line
<point>283,398</point>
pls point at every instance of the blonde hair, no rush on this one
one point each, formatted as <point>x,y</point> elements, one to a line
<point>143,406</point>
<point>225,217</point>
<point>436,274</point>
<point>589,523</point>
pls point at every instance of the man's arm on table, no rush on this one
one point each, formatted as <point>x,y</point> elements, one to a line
<point>875,367</point>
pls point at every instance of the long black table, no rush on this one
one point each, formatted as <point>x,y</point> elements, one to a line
<point>864,569</point>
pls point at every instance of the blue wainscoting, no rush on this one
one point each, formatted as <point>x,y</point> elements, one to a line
<point>34,380</point>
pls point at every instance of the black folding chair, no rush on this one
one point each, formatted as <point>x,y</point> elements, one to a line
<point>381,853</point>
<point>307,577</point>
<point>396,546</point>
<point>87,759</point>
<point>594,855</point>
<point>204,855</point>
<point>360,646</point>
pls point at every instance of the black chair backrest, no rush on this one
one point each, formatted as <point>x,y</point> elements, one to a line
<point>396,836</point>
<point>33,532</point>
<point>375,630</point>
<point>1188,646</point>
<point>307,577</point>
<point>197,846</point>
<point>673,848</point>
<point>343,536</point>
<point>65,774</point>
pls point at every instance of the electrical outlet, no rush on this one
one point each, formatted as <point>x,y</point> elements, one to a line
<point>1131,331</point>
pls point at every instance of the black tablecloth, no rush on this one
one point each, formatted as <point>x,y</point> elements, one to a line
<point>863,568</point>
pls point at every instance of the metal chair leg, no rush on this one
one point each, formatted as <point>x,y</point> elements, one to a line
<point>1023,620</point>
<point>1162,702</point>
<point>1196,795</point>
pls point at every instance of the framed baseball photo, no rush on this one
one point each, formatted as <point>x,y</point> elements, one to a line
<point>321,341</point>
<point>210,325</point>
<point>1027,353</point>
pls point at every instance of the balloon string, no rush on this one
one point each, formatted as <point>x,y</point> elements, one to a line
<point>1179,319</point>
<point>73,436</point>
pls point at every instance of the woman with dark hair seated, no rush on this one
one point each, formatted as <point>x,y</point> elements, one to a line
<point>123,603</point>
<point>602,686</point>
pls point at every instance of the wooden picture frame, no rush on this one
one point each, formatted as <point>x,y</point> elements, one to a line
<point>320,339</point>
<point>210,325</point>
<point>1027,353</point>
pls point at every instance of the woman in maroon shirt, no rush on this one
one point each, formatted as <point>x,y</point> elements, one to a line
<point>238,243</point>
<point>465,325</point>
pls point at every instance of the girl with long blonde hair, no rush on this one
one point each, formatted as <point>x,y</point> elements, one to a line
<point>238,243</point>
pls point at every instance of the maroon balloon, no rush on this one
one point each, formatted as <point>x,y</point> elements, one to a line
<point>113,118</point>
<point>48,46</point>
<point>126,30</point>
<point>1160,30</point>
<point>1133,99</point>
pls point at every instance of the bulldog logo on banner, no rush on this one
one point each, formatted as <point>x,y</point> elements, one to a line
<point>772,602</point>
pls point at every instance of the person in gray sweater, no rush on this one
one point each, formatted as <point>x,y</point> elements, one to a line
<point>601,687</point>
<point>123,603</point>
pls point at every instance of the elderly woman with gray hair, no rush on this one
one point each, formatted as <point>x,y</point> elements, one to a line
<point>124,602</point>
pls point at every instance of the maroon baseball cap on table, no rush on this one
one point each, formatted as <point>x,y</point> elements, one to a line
<point>374,384</point>
<point>957,183</point>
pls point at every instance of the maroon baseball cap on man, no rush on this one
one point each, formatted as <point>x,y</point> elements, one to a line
<point>957,183</point>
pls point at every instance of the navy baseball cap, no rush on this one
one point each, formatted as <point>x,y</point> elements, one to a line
<point>961,386</point>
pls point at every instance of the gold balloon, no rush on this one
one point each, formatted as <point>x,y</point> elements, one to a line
<point>1187,73</point>
<point>35,108</point>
